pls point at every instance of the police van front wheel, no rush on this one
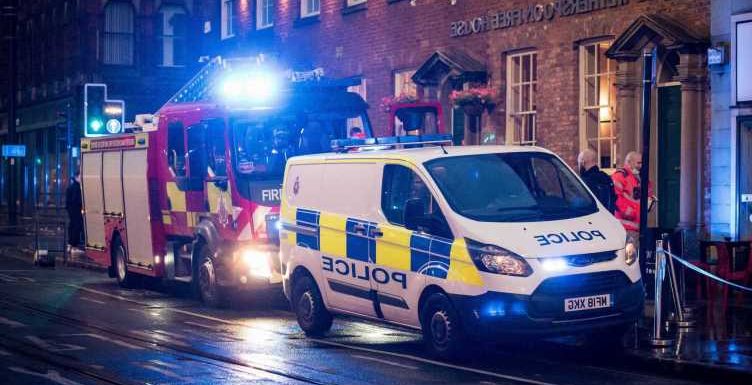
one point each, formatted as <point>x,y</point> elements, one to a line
<point>442,331</point>
<point>309,307</point>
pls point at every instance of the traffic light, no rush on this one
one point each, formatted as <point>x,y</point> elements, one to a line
<point>95,96</point>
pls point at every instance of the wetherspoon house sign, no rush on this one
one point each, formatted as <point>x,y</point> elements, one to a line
<point>534,13</point>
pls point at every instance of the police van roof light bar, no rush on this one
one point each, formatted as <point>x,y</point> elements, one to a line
<point>387,142</point>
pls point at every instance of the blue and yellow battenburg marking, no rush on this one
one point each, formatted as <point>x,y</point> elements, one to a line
<point>396,248</point>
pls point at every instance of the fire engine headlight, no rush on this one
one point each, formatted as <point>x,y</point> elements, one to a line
<point>630,251</point>
<point>494,259</point>
<point>257,263</point>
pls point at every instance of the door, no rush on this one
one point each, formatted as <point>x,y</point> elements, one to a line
<point>744,178</point>
<point>137,218</point>
<point>91,178</point>
<point>669,155</point>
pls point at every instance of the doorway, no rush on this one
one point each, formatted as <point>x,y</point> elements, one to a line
<point>744,178</point>
<point>669,155</point>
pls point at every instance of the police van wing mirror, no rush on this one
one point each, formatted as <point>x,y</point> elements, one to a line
<point>413,214</point>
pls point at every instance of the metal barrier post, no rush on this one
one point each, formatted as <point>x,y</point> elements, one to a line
<point>681,316</point>
<point>658,339</point>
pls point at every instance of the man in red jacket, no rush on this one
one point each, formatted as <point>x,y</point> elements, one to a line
<point>627,187</point>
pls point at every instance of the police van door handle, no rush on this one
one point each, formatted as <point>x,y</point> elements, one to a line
<point>359,229</point>
<point>376,232</point>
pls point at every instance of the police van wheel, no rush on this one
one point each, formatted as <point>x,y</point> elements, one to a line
<point>124,277</point>
<point>207,287</point>
<point>442,331</point>
<point>309,308</point>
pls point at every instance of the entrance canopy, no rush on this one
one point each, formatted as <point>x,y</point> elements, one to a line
<point>656,29</point>
<point>457,64</point>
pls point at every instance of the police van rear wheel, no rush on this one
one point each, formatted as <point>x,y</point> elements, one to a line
<point>442,331</point>
<point>309,308</point>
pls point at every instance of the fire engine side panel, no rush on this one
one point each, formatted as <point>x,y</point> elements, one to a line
<point>113,186</point>
<point>136,192</point>
<point>91,174</point>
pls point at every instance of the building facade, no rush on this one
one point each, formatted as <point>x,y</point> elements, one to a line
<point>731,129</point>
<point>143,51</point>
<point>566,73</point>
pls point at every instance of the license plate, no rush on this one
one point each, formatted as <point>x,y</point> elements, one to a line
<point>587,303</point>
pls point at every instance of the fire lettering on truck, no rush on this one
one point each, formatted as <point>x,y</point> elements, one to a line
<point>271,195</point>
<point>366,273</point>
<point>568,237</point>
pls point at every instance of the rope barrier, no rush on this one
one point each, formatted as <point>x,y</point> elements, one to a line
<point>706,273</point>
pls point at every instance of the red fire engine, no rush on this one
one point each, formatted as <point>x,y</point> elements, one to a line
<point>192,193</point>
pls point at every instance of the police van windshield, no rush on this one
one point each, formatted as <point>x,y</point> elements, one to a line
<point>262,146</point>
<point>512,187</point>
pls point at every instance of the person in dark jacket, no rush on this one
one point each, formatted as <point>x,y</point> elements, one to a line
<point>73,205</point>
<point>598,181</point>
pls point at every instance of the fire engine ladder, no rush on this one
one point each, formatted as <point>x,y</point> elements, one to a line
<point>201,86</point>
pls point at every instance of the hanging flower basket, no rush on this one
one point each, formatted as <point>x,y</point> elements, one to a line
<point>474,100</point>
<point>388,101</point>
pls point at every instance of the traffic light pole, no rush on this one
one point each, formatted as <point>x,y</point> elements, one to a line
<point>10,20</point>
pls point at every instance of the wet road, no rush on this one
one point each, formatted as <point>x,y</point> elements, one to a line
<point>71,326</point>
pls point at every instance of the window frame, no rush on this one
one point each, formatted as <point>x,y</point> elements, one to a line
<point>129,35</point>
<point>585,108</point>
<point>512,134</point>
<point>261,7</point>
<point>175,40</point>
<point>305,11</point>
<point>226,24</point>
<point>353,3</point>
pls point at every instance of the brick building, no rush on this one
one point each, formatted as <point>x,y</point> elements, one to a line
<point>139,48</point>
<point>567,72</point>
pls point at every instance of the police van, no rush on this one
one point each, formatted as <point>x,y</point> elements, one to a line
<point>459,242</point>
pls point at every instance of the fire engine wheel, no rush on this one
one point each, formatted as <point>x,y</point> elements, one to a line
<point>123,276</point>
<point>206,283</point>
<point>442,331</point>
<point>309,307</point>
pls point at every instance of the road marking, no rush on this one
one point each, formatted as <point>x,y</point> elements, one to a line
<point>51,375</point>
<point>385,362</point>
<point>168,373</point>
<point>337,344</point>
<point>104,338</point>
<point>92,300</point>
<point>11,323</point>
<point>165,364</point>
<point>205,326</point>
<point>162,337</point>
<point>7,278</point>
<point>52,346</point>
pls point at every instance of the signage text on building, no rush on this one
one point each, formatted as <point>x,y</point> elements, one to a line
<point>533,13</point>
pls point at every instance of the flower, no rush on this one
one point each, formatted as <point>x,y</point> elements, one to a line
<point>388,101</point>
<point>484,96</point>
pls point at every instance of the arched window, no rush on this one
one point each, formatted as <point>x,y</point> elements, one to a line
<point>172,29</point>
<point>118,33</point>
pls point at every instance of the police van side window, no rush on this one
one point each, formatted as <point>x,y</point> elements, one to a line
<point>400,185</point>
<point>176,148</point>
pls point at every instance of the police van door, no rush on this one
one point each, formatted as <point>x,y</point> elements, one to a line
<point>350,195</point>
<point>408,256</point>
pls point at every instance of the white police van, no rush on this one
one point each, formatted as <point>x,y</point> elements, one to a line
<point>459,242</point>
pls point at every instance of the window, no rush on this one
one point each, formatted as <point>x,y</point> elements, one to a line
<point>522,87</point>
<point>176,148</point>
<point>403,83</point>
<point>310,8</point>
<point>264,13</point>
<point>118,33</point>
<point>360,89</point>
<point>172,33</point>
<point>597,103</point>
<point>350,3</point>
<point>402,184</point>
<point>227,29</point>
<point>216,149</point>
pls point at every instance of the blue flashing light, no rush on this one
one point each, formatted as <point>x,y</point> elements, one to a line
<point>255,88</point>
<point>518,308</point>
<point>495,309</point>
<point>344,144</point>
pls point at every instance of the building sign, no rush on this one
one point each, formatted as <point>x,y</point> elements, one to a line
<point>533,13</point>
<point>14,150</point>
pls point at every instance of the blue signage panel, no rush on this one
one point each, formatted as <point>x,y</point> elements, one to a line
<point>14,150</point>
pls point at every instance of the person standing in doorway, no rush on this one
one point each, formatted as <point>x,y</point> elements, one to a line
<point>627,187</point>
<point>598,181</point>
<point>73,204</point>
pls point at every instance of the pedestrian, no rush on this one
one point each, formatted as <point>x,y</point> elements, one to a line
<point>598,181</point>
<point>73,205</point>
<point>627,187</point>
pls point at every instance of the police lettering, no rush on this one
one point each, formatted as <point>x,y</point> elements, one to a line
<point>367,273</point>
<point>568,237</point>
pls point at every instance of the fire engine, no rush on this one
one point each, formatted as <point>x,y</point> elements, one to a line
<point>191,194</point>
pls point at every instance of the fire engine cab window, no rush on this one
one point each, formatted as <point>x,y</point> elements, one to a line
<point>401,184</point>
<point>216,149</point>
<point>176,148</point>
<point>263,147</point>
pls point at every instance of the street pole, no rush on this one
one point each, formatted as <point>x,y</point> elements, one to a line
<point>10,20</point>
<point>647,88</point>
